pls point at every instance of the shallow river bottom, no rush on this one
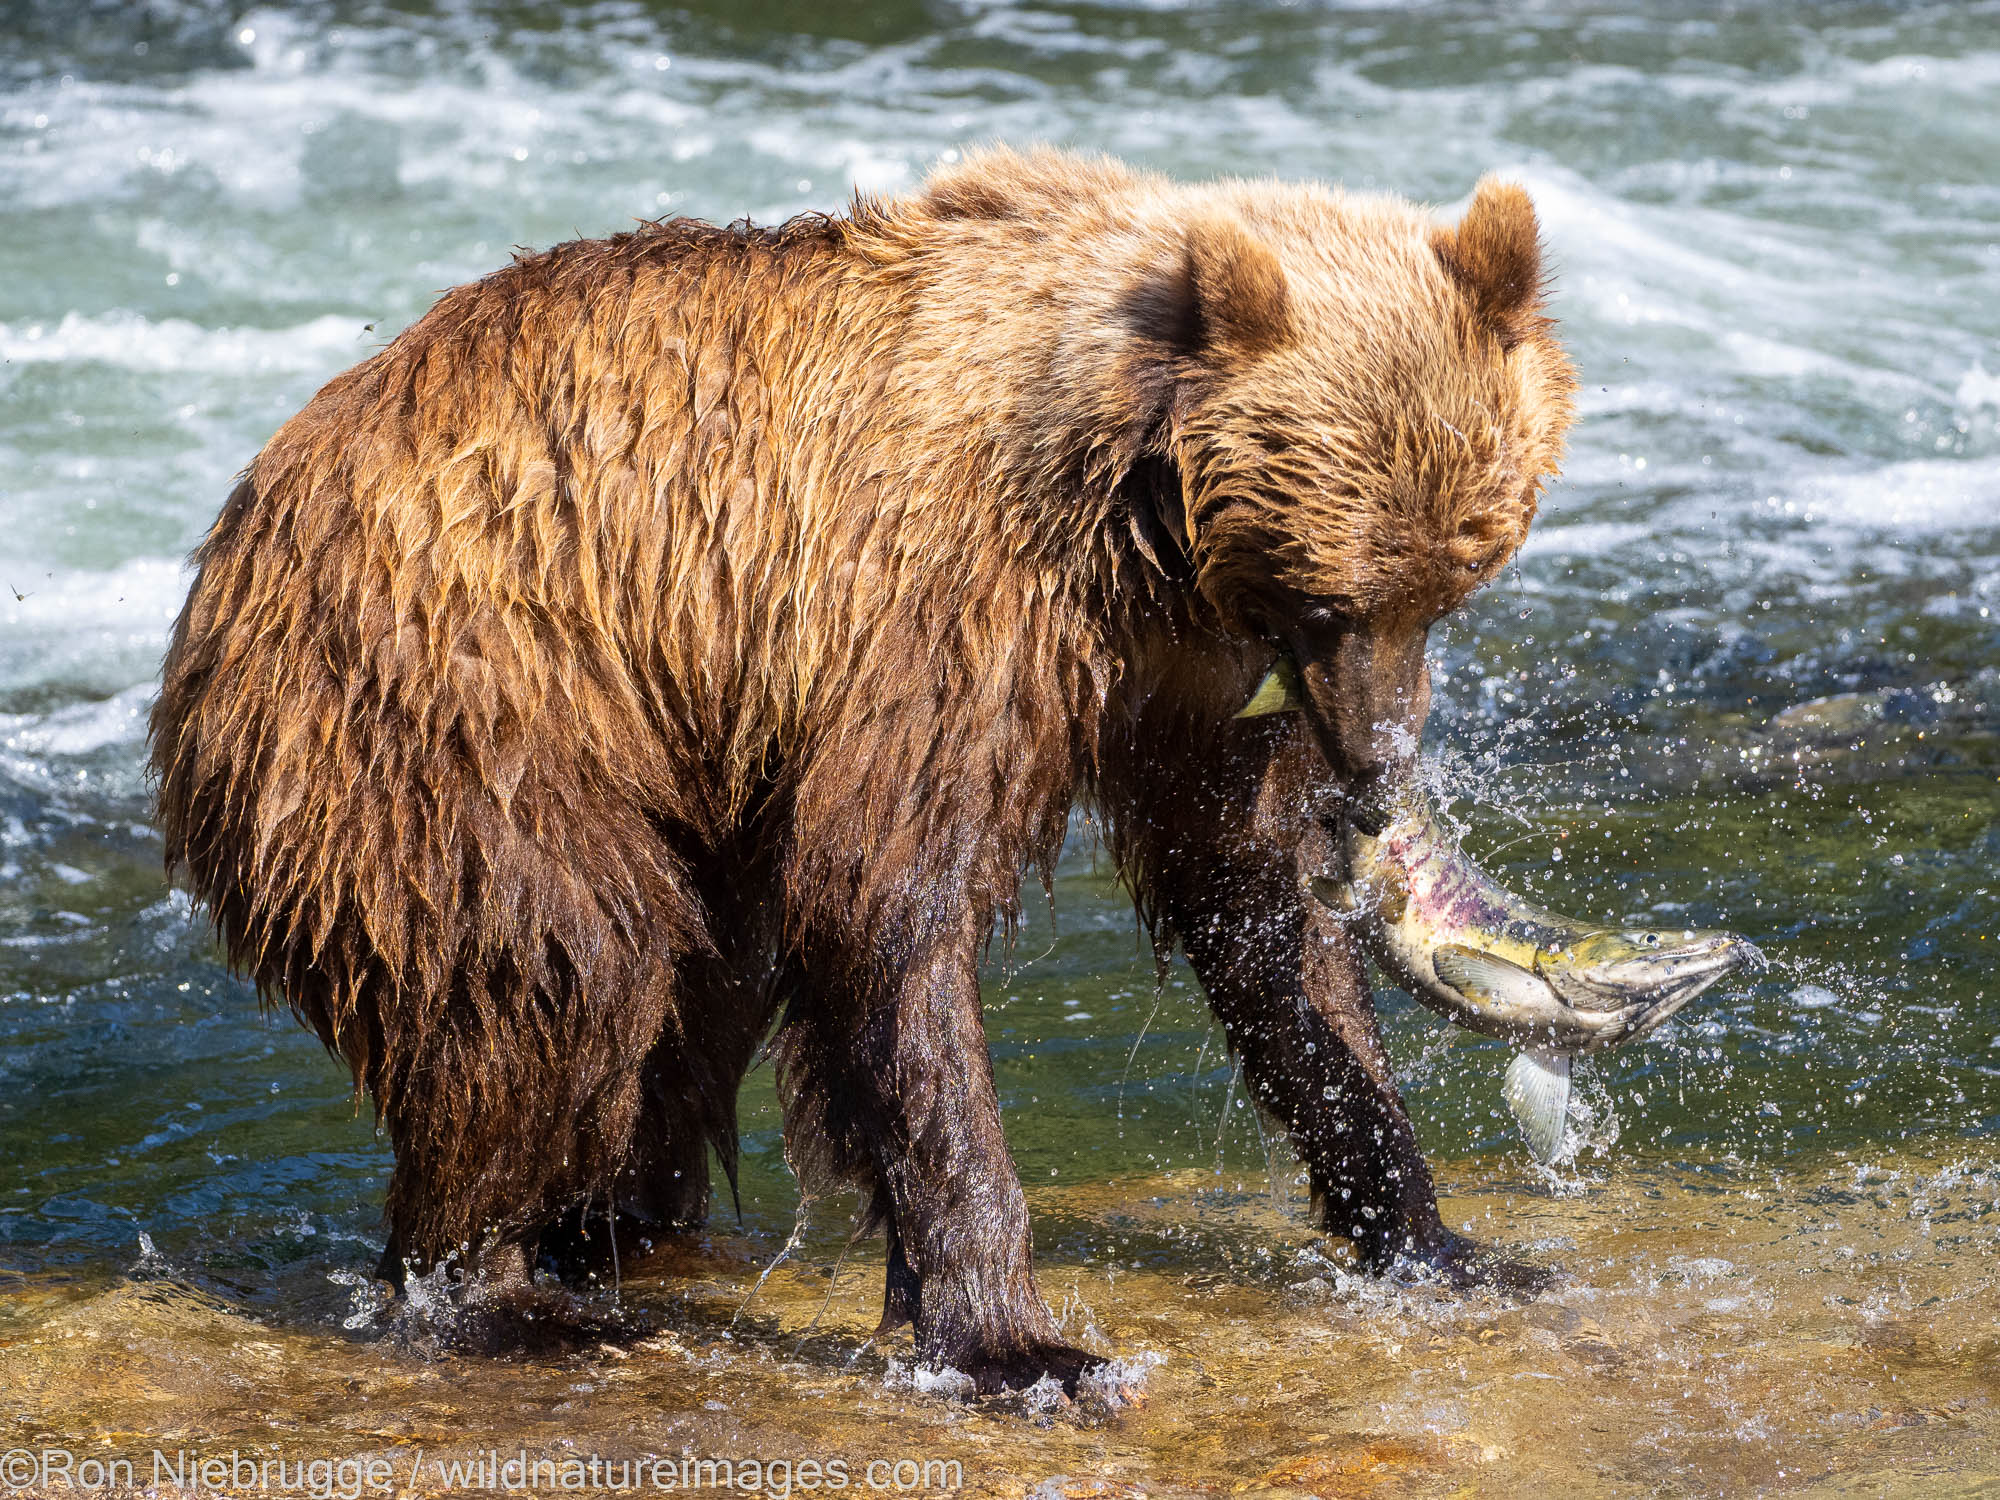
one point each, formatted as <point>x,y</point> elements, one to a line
<point>1714,1331</point>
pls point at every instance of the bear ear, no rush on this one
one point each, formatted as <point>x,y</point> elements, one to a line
<point>1495,254</point>
<point>1224,291</point>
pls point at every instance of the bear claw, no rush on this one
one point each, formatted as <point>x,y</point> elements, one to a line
<point>1465,1264</point>
<point>1019,1370</point>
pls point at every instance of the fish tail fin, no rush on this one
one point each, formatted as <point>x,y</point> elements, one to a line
<point>1537,1091</point>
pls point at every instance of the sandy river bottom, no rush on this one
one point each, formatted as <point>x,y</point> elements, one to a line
<point>1829,1331</point>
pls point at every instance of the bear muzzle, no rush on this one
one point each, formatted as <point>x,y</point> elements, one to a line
<point>1365,693</point>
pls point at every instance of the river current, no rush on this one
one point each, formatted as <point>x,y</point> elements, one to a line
<point>1744,673</point>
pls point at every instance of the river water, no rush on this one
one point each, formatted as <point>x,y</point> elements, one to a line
<point>1744,673</point>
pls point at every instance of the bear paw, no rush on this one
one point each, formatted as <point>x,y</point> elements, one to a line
<point>994,1373</point>
<point>1464,1264</point>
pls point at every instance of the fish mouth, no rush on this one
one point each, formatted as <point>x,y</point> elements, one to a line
<point>1671,976</point>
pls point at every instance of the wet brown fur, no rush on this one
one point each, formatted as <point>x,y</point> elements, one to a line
<point>672,634</point>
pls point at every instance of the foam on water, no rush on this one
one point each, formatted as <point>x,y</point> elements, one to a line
<point>176,345</point>
<point>1978,389</point>
<point>98,632</point>
<point>1913,498</point>
<point>1582,538</point>
<point>78,728</point>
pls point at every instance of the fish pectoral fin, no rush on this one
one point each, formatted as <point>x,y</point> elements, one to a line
<point>1486,980</point>
<point>1278,692</point>
<point>1537,1091</point>
<point>1337,894</point>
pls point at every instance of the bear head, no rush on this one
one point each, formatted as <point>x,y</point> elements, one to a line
<point>1362,408</point>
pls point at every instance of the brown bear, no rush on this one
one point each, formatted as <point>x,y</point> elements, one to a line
<point>692,636</point>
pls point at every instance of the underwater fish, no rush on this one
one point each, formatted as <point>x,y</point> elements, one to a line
<point>1495,964</point>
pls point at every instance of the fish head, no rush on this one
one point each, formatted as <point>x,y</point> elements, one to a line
<point>1616,966</point>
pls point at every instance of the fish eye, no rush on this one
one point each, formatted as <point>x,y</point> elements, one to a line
<point>1652,940</point>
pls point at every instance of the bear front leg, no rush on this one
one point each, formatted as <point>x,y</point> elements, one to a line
<point>1289,985</point>
<point>1219,853</point>
<point>898,1076</point>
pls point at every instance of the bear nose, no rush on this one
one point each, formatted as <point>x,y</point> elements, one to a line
<point>1369,820</point>
<point>1367,801</point>
<point>1367,804</point>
